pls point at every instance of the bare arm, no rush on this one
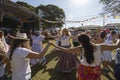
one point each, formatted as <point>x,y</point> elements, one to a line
<point>69,50</point>
<point>34,55</point>
<point>8,66</point>
<point>110,47</point>
<point>54,36</point>
<point>73,37</point>
<point>10,36</point>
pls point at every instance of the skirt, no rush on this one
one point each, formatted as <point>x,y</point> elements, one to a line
<point>107,56</point>
<point>89,72</point>
<point>67,62</point>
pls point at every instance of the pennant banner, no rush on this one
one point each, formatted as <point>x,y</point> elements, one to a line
<point>62,21</point>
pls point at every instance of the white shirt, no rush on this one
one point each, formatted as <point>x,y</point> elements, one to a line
<point>38,39</point>
<point>37,43</point>
<point>65,41</point>
<point>20,64</point>
<point>97,57</point>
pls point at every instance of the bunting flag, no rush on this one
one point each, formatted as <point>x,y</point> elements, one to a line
<point>93,18</point>
<point>62,21</point>
<point>117,17</point>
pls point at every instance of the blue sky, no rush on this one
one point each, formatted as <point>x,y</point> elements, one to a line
<point>77,10</point>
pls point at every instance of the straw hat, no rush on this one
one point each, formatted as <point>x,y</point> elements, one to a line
<point>22,36</point>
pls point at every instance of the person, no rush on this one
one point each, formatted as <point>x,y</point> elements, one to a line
<point>107,55</point>
<point>89,68</point>
<point>67,62</point>
<point>30,33</point>
<point>3,63</point>
<point>3,59</point>
<point>75,40</point>
<point>117,65</point>
<point>57,37</point>
<point>37,39</point>
<point>20,55</point>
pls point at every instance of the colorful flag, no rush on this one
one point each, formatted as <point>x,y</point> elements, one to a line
<point>117,17</point>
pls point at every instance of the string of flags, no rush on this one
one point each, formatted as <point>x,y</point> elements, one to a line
<point>63,21</point>
<point>60,21</point>
<point>90,19</point>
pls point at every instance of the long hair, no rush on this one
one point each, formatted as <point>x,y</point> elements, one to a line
<point>88,48</point>
<point>67,32</point>
<point>17,43</point>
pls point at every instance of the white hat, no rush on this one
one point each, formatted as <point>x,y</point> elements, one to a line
<point>22,36</point>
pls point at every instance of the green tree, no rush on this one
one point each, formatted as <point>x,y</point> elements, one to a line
<point>10,21</point>
<point>32,8</point>
<point>111,6</point>
<point>51,13</point>
<point>33,21</point>
<point>105,1</point>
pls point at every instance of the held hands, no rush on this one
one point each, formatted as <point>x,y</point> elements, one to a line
<point>53,44</point>
<point>50,42</point>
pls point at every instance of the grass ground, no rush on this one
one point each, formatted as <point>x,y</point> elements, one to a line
<point>49,71</point>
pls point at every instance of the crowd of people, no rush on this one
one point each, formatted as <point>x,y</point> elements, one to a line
<point>21,51</point>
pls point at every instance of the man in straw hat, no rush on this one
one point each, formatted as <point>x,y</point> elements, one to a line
<point>20,55</point>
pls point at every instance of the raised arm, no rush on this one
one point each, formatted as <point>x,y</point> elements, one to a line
<point>69,50</point>
<point>110,47</point>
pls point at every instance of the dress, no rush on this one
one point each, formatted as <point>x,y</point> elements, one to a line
<point>67,62</point>
<point>37,47</point>
<point>90,71</point>
<point>107,55</point>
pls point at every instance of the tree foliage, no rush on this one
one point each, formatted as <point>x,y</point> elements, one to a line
<point>32,22</point>
<point>105,1</point>
<point>32,8</point>
<point>51,13</point>
<point>10,21</point>
<point>111,6</point>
